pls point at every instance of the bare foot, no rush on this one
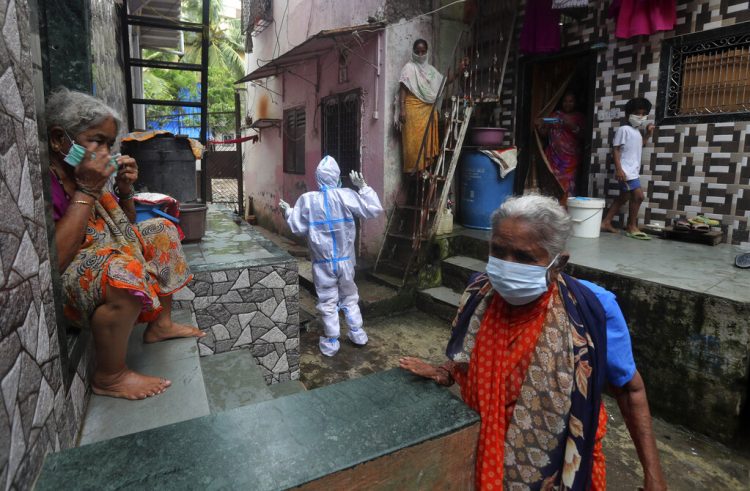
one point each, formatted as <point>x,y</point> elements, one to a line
<point>128,385</point>
<point>607,227</point>
<point>634,230</point>
<point>161,332</point>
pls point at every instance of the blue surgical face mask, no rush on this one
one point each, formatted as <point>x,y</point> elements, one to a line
<point>75,154</point>
<point>518,283</point>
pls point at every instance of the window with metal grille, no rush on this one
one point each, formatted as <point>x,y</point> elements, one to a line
<point>294,140</point>
<point>340,125</point>
<point>705,77</point>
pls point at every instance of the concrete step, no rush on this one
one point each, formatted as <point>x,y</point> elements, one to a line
<point>234,379</point>
<point>468,242</point>
<point>440,301</point>
<point>177,360</point>
<point>456,271</point>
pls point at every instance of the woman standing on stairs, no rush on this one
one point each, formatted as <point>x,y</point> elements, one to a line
<point>419,87</point>
<point>114,272</point>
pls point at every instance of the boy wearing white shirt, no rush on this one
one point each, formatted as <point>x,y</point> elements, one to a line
<point>627,150</point>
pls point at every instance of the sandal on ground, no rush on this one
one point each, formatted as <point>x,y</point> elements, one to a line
<point>682,224</point>
<point>637,235</point>
<point>704,220</point>
<point>700,227</point>
<point>742,260</point>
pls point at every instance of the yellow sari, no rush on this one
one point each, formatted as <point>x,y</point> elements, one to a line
<point>417,115</point>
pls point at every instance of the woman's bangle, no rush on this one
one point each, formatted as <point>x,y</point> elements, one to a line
<point>449,377</point>
<point>127,196</point>
<point>89,192</point>
<point>82,202</point>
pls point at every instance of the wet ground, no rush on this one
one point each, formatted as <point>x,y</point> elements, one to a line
<point>691,462</point>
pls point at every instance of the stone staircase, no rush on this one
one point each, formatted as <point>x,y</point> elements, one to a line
<point>466,255</point>
<point>200,386</point>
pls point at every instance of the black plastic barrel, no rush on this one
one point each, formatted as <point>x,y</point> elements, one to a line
<point>165,165</point>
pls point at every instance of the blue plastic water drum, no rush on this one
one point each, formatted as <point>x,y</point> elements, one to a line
<point>482,189</point>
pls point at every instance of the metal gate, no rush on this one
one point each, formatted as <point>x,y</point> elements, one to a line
<point>224,173</point>
<point>222,162</point>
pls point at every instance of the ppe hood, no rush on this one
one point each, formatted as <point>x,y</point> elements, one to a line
<point>327,174</point>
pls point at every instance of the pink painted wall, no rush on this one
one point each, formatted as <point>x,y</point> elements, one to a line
<point>265,180</point>
<point>380,150</point>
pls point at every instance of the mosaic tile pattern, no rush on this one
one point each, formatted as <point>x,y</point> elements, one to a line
<point>253,308</point>
<point>691,168</point>
<point>38,414</point>
<point>245,294</point>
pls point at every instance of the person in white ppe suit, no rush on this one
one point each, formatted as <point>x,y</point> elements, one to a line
<point>326,217</point>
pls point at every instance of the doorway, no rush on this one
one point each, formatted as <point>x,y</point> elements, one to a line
<point>543,81</point>
<point>341,120</point>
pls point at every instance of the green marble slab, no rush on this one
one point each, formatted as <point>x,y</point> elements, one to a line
<point>275,444</point>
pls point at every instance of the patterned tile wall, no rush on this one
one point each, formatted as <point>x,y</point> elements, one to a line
<point>38,413</point>
<point>691,168</point>
<point>255,308</point>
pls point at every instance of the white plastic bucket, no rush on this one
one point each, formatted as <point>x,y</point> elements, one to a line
<point>586,214</point>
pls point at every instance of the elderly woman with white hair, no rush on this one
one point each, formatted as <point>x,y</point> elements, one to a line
<point>114,272</point>
<point>531,349</point>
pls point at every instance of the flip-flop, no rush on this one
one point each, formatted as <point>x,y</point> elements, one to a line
<point>704,220</point>
<point>637,235</point>
<point>742,260</point>
<point>682,224</point>
<point>700,227</point>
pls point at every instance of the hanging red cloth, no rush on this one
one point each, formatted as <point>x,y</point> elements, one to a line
<point>643,17</point>
<point>541,28</point>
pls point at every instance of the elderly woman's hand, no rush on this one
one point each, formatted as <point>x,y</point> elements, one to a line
<point>127,173</point>
<point>417,367</point>
<point>94,170</point>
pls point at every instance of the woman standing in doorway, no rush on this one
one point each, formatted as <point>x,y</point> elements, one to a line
<point>564,129</point>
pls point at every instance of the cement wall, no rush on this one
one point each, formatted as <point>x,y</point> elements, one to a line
<point>692,349</point>
<point>265,179</point>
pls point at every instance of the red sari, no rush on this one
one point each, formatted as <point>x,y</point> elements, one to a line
<point>564,150</point>
<point>500,360</point>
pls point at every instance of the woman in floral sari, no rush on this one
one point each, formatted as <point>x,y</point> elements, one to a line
<point>531,349</point>
<point>564,129</point>
<point>114,272</point>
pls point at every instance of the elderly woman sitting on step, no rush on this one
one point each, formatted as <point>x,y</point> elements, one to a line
<point>114,272</point>
<point>531,348</point>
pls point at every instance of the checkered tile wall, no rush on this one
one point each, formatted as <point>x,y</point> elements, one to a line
<point>690,168</point>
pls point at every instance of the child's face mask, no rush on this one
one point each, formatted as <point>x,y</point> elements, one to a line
<point>637,121</point>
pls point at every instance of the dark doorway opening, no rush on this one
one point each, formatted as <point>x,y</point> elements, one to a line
<point>541,85</point>
<point>340,118</point>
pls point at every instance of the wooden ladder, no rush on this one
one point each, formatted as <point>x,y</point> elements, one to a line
<point>414,223</point>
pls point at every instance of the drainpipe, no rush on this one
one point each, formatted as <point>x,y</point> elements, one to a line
<point>375,113</point>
